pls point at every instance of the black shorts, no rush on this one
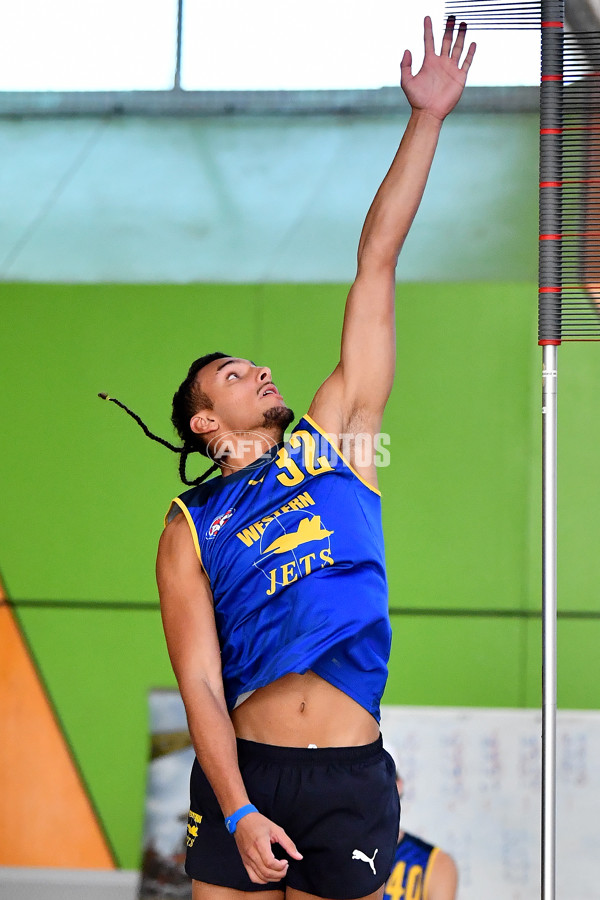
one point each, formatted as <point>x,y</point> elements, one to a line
<point>339,805</point>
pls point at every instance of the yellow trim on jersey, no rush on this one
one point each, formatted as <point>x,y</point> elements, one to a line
<point>432,857</point>
<point>190,522</point>
<point>341,455</point>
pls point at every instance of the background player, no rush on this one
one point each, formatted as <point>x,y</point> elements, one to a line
<point>421,870</point>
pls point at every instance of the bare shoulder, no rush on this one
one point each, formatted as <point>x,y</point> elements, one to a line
<point>186,606</point>
<point>443,878</point>
<point>177,556</point>
<point>175,536</point>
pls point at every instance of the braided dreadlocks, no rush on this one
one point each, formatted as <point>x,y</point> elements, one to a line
<point>187,400</point>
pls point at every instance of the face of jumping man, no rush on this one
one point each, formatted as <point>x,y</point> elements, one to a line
<point>244,399</point>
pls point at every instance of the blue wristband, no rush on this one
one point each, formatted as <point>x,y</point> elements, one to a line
<point>232,820</point>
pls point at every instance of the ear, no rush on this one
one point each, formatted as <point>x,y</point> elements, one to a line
<point>204,422</point>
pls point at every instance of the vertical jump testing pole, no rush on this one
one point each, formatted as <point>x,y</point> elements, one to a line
<point>549,338</point>
<point>569,286</point>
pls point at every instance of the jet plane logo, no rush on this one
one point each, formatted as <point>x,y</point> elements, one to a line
<point>293,545</point>
<point>309,529</point>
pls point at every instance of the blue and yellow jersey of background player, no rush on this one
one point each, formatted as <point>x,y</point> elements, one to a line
<point>421,870</point>
<point>235,404</point>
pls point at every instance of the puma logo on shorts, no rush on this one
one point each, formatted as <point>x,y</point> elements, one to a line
<point>358,854</point>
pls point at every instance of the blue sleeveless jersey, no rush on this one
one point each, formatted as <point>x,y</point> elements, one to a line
<point>293,549</point>
<point>410,872</point>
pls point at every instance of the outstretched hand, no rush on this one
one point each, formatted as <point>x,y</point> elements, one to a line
<point>438,85</point>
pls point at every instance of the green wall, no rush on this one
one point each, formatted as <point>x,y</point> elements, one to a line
<point>84,493</point>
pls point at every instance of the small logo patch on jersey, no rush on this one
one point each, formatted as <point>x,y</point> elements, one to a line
<point>358,854</point>
<point>218,522</point>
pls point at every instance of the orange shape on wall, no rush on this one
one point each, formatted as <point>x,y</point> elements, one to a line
<point>46,816</point>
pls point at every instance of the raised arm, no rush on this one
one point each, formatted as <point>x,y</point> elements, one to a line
<point>192,642</point>
<point>353,398</point>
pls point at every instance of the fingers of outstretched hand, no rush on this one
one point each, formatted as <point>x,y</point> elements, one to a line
<point>459,46</point>
<point>448,35</point>
<point>459,43</point>
<point>454,51</point>
<point>448,48</point>
<point>406,67</point>
<point>469,58</point>
<point>428,35</point>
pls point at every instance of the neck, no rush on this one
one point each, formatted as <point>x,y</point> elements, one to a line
<point>241,449</point>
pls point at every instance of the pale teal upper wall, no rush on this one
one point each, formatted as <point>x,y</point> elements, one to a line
<point>257,199</point>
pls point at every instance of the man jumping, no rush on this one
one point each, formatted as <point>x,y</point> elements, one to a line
<point>272,581</point>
